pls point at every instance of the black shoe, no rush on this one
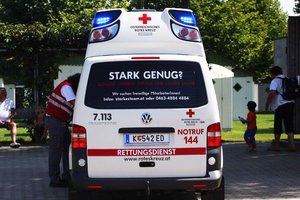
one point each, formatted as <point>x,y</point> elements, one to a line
<point>60,184</point>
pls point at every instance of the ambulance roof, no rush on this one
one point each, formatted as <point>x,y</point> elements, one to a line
<point>118,32</point>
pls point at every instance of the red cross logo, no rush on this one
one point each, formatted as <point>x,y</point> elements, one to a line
<point>190,113</point>
<point>145,19</point>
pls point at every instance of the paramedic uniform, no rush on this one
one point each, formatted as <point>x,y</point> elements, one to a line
<point>58,113</point>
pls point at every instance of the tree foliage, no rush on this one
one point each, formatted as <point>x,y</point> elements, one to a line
<point>36,33</point>
<point>297,6</point>
<point>242,31</point>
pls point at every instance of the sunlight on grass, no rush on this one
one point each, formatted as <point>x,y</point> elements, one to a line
<point>264,130</point>
<point>22,135</point>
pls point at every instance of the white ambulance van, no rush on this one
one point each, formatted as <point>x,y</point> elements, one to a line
<point>146,115</point>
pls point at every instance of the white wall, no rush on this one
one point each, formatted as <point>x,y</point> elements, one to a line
<point>11,92</point>
<point>223,89</point>
<point>66,71</point>
<point>280,54</point>
<point>263,93</point>
<point>248,91</point>
<point>1,82</point>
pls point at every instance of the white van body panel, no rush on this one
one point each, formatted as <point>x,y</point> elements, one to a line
<point>105,136</point>
<point>146,114</point>
<point>137,38</point>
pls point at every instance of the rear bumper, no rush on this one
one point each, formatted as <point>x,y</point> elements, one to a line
<point>80,181</point>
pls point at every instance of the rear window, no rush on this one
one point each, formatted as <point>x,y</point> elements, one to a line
<point>145,84</point>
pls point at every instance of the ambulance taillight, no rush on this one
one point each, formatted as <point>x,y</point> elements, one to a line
<point>78,137</point>
<point>214,135</point>
<point>105,26</point>
<point>104,34</point>
<point>184,25</point>
<point>185,33</point>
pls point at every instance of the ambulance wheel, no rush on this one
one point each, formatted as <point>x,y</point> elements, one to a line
<point>218,194</point>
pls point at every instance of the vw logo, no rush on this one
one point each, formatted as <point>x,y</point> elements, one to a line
<point>146,118</point>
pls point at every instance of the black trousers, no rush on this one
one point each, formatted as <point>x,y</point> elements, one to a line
<point>284,115</point>
<point>59,143</point>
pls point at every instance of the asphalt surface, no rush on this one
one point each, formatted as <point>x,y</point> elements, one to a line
<point>248,175</point>
<point>262,174</point>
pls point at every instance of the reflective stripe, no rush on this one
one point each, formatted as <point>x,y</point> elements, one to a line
<point>78,135</point>
<point>67,110</point>
<point>62,100</point>
<point>214,134</point>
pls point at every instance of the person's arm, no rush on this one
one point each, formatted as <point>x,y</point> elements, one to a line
<point>12,115</point>
<point>72,102</point>
<point>68,93</point>
<point>242,120</point>
<point>270,97</point>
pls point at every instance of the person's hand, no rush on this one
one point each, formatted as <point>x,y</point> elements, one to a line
<point>242,120</point>
<point>1,122</point>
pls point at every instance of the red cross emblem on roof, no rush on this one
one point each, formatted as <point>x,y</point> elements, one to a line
<point>190,113</point>
<point>145,19</point>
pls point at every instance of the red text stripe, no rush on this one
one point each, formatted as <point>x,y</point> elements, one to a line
<point>147,152</point>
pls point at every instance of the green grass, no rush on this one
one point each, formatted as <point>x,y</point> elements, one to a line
<point>264,130</point>
<point>22,134</point>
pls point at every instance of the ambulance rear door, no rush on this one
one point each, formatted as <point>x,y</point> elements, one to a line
<point>146,116</point>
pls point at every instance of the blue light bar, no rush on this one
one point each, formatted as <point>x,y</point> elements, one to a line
<point>102,20</point>
<point>106,17</point>
<point>184,17</point>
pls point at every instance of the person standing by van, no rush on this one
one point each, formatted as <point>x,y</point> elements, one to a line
<point>59,113</point>
<point>284,111</point>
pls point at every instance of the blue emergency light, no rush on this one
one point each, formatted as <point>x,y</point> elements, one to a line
<point>184,17</point>
<point>106,17</point>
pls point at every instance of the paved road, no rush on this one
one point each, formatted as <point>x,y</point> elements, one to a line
<point>261,174</point>
<point>248,175</point>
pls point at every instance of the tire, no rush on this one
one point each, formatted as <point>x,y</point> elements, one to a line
<point>218,194</point>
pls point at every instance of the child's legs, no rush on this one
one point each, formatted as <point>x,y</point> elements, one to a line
<point>252,133</point>
<point>247,136</point>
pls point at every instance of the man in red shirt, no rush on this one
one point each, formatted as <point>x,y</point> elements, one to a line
<point>59,113</point>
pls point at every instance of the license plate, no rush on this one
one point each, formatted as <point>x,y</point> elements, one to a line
<point>146,138</point>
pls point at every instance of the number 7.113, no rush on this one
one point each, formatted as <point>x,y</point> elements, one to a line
<point>102,116</point>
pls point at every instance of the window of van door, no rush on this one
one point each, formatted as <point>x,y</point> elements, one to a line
<point>145,84</point>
